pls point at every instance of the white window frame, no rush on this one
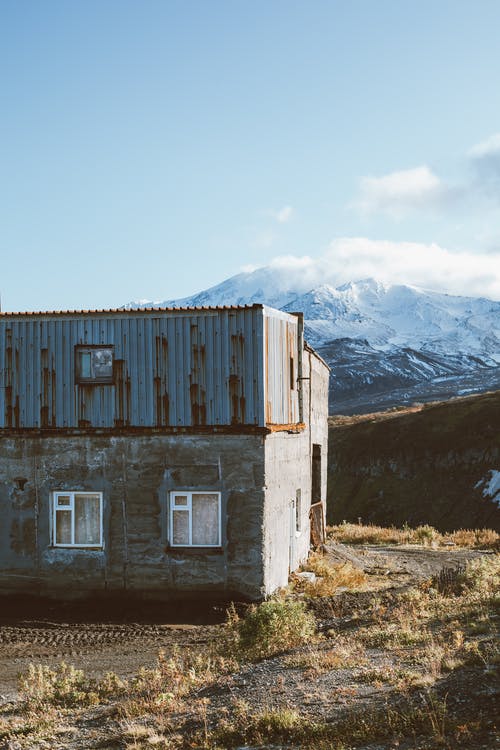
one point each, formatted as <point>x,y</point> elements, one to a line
<point>71,507</point>
<point>189,507</point>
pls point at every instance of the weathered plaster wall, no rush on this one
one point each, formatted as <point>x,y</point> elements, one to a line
<point>288,468</point>
<point>318,412</point>
<point>135,473</point>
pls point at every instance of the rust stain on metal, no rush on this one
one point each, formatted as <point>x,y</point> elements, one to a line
<point>269,412</point>
<point>292,427</point>
<point>237,400</point>
<point>8,389</point>
<point>53,394</point>
<point>44,396</point>
<point>118,377</point>
<point>317,518</point>
<point>197,379</point>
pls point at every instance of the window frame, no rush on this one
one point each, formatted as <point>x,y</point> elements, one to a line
<point>71,507</point>
<point>189,508</point>
<point>88,349</point>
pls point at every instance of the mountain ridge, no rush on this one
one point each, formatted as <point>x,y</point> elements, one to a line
<point>377,337</point>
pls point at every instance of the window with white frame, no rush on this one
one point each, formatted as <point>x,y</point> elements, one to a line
<point>195,519</point>
<point>77,519</point>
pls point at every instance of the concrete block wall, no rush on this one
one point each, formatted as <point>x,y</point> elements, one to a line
<point>135,474</point>
<point>288,469</point>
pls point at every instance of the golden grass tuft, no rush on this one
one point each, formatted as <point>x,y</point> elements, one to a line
<point>351,533</point>
<point>330,576</point>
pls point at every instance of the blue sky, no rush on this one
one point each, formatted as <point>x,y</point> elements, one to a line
<point>149,149</point>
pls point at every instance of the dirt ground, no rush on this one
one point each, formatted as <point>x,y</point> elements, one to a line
<point>125,639</point>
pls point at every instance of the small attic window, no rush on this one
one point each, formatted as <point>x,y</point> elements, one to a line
<point>94,364</point>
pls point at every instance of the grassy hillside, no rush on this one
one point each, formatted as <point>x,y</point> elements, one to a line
<point>420,465</point>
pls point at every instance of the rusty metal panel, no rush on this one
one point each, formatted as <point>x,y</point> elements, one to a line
<point>197,367</point>
<point>282,377</point>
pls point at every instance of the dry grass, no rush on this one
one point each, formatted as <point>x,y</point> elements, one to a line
<point>317,660</point>
<point>351,533</point>
<point>474,538</point>
<point>164,687</point>
<point>404,643</point>
<point>330,577</point>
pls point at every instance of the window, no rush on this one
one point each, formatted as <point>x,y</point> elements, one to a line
<point>298,511</point>
<point>316,475</point>
<point>77,519</point>
<point>195,519</point>
<point>94,364</point>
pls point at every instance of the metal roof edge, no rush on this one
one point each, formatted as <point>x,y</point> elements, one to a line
<point>124,311</point>
<point>309,348</point>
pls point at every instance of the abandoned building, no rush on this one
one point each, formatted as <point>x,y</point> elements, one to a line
<point>160,452</point>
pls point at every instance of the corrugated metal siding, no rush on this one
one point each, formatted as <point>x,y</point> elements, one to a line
<point>281,359</point>
<point>184,368</point>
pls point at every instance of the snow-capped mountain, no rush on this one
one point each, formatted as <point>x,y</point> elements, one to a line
<point>387,344</point>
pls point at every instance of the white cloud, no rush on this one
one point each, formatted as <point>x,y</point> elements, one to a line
<point>428,266</point>
<point>399,192</point>
<point>283,215</point>
<point>489,147</point>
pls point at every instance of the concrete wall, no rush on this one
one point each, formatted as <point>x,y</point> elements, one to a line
<point>318,411</point>
<point>288,469</point>
<point>135,474</point>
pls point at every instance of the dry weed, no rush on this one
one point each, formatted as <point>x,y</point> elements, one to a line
<point>330,577</point>
<point>350,533</point>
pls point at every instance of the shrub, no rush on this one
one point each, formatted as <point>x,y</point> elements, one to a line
<point>269,628</point>
<point>426,534</point>
<point>66,686</point>
<point>481,577</point>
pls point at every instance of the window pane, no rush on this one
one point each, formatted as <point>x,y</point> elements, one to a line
<point>180,500</point>
<point>180,533</point>
<point>63,527</point>
<point>102,363</point>
<point>63,500</point>
<point>205,519</point>
<point>298,510</point>
<point>85,364</point>
<point>87,519</point>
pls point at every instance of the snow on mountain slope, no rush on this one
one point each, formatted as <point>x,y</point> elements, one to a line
<point>399,315</point>
<point>385,315</point>
<point>386,344</point>
<point>264,285</point>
